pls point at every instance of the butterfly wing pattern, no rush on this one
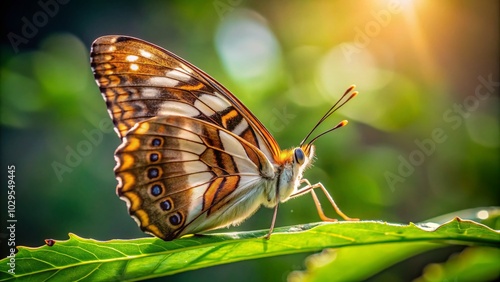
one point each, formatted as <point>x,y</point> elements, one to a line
<point>193,157</point>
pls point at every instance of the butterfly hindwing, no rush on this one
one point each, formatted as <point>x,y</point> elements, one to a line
<point>179,174</point>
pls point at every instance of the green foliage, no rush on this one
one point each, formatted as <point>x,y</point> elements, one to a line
<point>473,264</point>
<point>91,260</point>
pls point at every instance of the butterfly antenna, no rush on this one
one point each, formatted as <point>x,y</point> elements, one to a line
<point>339,125</point>
<point>334,108</point>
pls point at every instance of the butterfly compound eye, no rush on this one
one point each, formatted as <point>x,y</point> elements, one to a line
<point>299,156</point>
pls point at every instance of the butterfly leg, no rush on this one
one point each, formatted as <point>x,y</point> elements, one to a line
<point>309,188</point>
<point>274,217</point>
<point>272,223</point>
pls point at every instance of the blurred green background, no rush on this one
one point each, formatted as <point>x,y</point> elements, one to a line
<point>423,137</point>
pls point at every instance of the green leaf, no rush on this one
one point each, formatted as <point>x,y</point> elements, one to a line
<point>92,260</point>
<point>473,264</point>
<point>337,265</point>
<point>344,264</point>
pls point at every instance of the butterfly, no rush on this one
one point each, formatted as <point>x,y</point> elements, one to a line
<point>193,157</point>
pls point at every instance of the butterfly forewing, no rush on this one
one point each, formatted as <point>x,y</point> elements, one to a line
<point>140,80</point>
<point>177,171</point>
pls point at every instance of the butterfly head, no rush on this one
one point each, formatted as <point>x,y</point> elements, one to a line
<point>302,158</point>
<point>291,163</point>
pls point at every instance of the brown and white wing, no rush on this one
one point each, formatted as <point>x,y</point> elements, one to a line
<point>181,175</point>
<point>140,80</point>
